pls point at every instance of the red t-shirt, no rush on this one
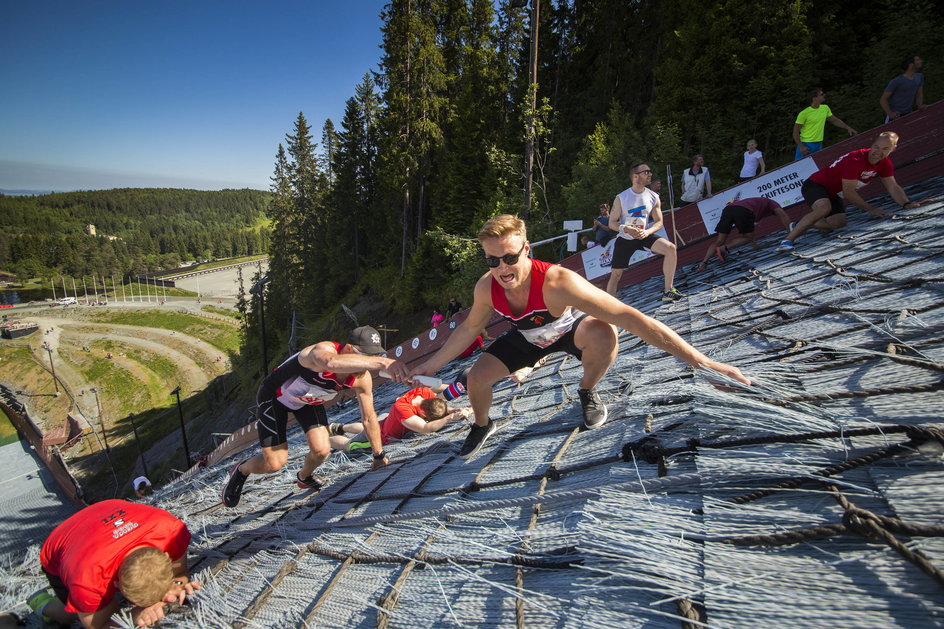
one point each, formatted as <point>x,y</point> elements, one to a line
<point>86,550</point>
<point>477,343</point>
<point>392,427</point>
<point>853,165</point>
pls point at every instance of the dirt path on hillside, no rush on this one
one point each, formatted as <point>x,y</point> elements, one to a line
<point>195,359</point>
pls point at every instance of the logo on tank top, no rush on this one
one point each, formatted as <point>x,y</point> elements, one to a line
<point>637,217</point>
<point>537,320</point>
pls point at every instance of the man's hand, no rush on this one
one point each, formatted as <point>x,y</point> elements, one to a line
<point>461,413</point>
<point>851,131</point>
<point>878,213</point>
<point>147,616</point>
<point>804,149</point>
<point>729,370</point>
<point>913,204</point>
<point>633,231</point>
<point>180,591</point>
<point>397,371</point>
<point>378,463</point>
<point>420,370</point>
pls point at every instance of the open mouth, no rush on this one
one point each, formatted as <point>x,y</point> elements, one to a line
<point>508,278</point>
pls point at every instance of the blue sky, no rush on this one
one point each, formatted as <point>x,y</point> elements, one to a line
<point>188,94</point>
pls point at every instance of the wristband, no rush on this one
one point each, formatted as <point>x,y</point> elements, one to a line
<point>382,454</point>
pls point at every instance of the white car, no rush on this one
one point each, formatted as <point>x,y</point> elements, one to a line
<point>67,301</point>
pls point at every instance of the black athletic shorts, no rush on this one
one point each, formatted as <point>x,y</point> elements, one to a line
<point>516,352</point>
<point>813,192</point>
<point>738,216</point>
<point>60,589</point>
<point>624,249</point>
<point>273,420</point>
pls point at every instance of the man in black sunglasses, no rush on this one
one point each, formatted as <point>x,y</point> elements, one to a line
<point>552,309</point>
<point>636,216</point>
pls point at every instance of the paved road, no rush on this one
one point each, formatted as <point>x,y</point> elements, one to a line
<point>223,283</point>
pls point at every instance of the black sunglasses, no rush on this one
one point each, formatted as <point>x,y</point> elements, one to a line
<point>509,258</point>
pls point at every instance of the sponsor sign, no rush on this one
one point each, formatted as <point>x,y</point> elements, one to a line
<point>597,260</point>
<point>782,185</point>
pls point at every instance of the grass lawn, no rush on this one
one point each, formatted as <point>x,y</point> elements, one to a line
<point>219,334</point>
<point>8,432</point>
<point>141,291</point>
<point>226,312</point>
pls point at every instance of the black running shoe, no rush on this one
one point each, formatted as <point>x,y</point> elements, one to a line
<point>476,439</point>
<point>671,295</point>
<point>336,429</point>
<point>233,488</point>
<point>310,482</point>
<point>594,410</point>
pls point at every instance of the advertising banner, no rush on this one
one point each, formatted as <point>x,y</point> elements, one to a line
<point>597,260</point>
<point>782,185</point>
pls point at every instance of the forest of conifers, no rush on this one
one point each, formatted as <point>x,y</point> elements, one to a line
<point>433,143</point>
<point>138,230</point>
<point>388,199</point>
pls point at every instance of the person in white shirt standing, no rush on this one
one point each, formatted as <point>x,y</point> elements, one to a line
<point>753,162</point>
<point>695,181</point>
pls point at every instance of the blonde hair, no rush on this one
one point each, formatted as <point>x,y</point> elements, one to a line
<point>501,226</point>
<point>434,408</point>
<point>145,576</point>
<point>891,135</point>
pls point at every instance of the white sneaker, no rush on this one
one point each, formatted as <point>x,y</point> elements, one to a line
<point>785,245</point>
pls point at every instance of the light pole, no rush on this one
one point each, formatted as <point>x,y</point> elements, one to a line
<point>52,367</point>
<point>259,289</point>
<point>183,430</point>
<point>101,420</point>
<point>134,429</point>
<point>535,10</point>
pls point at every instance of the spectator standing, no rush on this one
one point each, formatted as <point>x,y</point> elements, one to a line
<point>904,91</point>
<point>437,317</point>
<point>601,226</point>
<point>810,126</point>
<point>695,181</point>
<point>453,308</point>
<point>753,162</point>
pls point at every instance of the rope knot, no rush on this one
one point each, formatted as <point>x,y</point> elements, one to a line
<point>861,521</point>
<point>924,433</point>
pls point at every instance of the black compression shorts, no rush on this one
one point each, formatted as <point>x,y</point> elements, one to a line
<point>273,420</point>
<point>736,216</point>
<point>813,192</point>
<point>516,352</point>
<point>624,249</point>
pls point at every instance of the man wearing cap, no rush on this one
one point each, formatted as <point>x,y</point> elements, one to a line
<point>303,385</point>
